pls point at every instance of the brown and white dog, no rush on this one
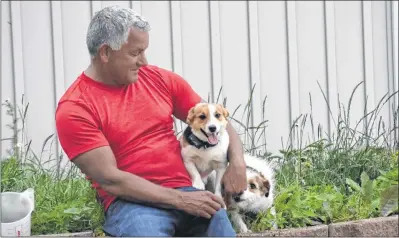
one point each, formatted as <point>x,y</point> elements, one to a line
<point>259,195</point>
<point>204,144</point>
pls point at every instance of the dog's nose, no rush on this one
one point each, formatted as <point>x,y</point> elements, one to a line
<point>212,128</point>
<point>237,197</point>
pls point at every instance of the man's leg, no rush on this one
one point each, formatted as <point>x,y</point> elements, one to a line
<point>219,225</point>
<point>125,218</point>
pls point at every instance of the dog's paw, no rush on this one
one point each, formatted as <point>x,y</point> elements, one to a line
<point>199,185</point>
<point>245,230</point>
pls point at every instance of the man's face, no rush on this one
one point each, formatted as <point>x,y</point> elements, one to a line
<point>123,64</point>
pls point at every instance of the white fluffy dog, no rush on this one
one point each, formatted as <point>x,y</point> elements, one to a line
<point>259,195</point>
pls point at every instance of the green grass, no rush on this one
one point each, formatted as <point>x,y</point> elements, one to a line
<point>349,175</point>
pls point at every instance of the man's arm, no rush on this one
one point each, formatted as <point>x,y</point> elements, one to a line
<point>100,165</point>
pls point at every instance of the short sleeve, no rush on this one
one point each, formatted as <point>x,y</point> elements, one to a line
<point>77,130</point>
<point>183,95</point>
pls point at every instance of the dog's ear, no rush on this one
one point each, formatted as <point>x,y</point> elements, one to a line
<point>190,116</point>
<point>266,184</point>
<point>225,111</point>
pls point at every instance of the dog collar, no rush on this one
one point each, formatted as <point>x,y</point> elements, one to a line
<point>195,141</point>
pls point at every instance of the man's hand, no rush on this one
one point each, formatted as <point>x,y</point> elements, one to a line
<point>199,203</point>
<point>234,181</point>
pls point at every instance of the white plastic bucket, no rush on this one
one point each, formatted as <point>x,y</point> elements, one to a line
<point>16,210</point>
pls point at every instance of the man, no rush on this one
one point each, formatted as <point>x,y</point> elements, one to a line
<point>115,123</point>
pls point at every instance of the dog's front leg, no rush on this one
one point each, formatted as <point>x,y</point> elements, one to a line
<point>238,222</point>
<point>218,181</point>
<point>194,174</point>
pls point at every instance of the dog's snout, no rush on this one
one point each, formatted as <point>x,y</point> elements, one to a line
<point>237,197</point>
<point>212,128</point>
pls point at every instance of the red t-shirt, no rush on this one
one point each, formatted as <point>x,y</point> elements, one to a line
<point>135,121</point>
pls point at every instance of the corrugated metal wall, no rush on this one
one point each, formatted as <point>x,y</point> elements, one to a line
<point>287,49</point>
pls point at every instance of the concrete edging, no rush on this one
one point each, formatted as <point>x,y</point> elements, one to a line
<point>380,226</point>
<point>374,227</point>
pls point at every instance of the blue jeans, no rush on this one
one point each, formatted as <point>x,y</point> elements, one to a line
<point>125,218</point>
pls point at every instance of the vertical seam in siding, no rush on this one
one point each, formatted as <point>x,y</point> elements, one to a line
<point>216,57</point>
<point>292,62</point>
<point>18,58</point>
<point>254,66</point>
<point>394,7</point>
<point>368,64</point>
<point>177,54</point>
<point>95,6</point>
<point>332,95</point>
<point>136,6</point>
<point>58,60</point>
<point>392,67</point>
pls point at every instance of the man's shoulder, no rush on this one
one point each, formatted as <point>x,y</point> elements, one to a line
<point>73,98</point>
<point>158,72</point>
<point>75,91</point>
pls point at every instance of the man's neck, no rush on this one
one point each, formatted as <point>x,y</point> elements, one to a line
<point>99,75</point>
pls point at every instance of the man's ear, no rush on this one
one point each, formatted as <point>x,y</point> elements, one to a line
<point>190,116</point>
<point>104,52</point>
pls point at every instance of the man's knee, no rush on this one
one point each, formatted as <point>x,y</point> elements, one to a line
<point>129,219</point>
<point>220,225</point>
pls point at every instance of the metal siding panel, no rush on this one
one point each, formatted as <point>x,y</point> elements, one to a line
<point>380,63</point>
<point>312,68</point>
<point>216,54</point>
<point>159,51</point>
<point>18,62</point>
<point>76,17</point>
<point>368,53</point>
<point>7,77</point>
<point>95,6</point>
<point>39,76</point>
<point>292,44</point>
<point>349,55</point>
<point>256,83</point>
<point>58,60</point>
<point>395,30</point>
<point>274,71</point>
<point>393,37</point>
<point>331,62</point>
<point>177,54</point>
<point>115,3</point>
<point>136,6</point>
<point>195,33</point>
<point>235,60</point>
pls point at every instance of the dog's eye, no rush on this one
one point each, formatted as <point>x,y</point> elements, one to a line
<point>252,186</point>
<point>217,115</point>
<point>202,117</point>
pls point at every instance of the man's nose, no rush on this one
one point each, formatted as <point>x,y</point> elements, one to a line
<point>143,61</point>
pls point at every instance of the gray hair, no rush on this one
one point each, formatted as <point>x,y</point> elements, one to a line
<point>111,26</point>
